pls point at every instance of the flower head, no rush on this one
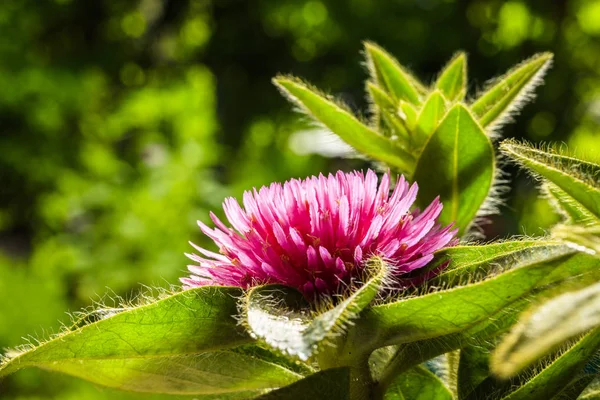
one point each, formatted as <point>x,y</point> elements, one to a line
<point>316,234</point>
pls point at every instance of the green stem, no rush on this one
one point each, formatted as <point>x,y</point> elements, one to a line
<point>361,382</point>
<point>406,357</point>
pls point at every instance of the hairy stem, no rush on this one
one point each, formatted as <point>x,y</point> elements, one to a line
<point>361,382</point>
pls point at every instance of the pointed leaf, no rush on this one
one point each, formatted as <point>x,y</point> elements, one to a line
<point>381,103</point>
<point>467,262</point>
<point>134,332</point>
<point>458,166</point>
<point>552,379</point>
<point>385,109</point>
<point>408,113</point>
<point>578,178</point>
<point>280,316</point>
<point>453,78</point>
<point>587,238</point>
<point>418,384</point>
<point>592,391</point>
<point>410,354</point>
<point>570,208</point>
<point>330,384</point>
<point>174,345</point>
<point>449,311</point>
<point>381,98</point>
<point>345,125</point>
<point>390,75</point>
<point>452,363</point>
<point>548,327</point>
<point>480,334</point>
<point>504,98</point>
<point>219,372</point>
<point>429,118</point>
<point>399,129</point>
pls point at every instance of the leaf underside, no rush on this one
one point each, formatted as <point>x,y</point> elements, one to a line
<point>187,343</point>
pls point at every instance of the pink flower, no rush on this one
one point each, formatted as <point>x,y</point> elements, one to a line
<point>316,234</point>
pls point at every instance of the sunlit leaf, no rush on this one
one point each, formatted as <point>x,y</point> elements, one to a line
<point>577,178</point>
<point>457,165</point>
<point>547,327</point>
<point>207,373</point>
<point>345,125</point>
<point>380,98</point>
<point>174,345</point>
<point>409,115</point>
<point>592,391</point>
<point>587,238</point>
<point>511,91</point>
<point>448,311</point>
<point>554,377</point>
<point>452,81</point>
<point>381,104</point>
<point>570,208</point>
<point>331,384</point>
<point>282,318</point>
<point>417,384</point>
<point>398,127</point>
<point>429,118</point>
<point>467,262</point>
<point>386,110</point>
<point>410,354</point>
<point>390,75</point>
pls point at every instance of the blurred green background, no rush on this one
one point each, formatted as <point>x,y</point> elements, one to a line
<point>123,122</point>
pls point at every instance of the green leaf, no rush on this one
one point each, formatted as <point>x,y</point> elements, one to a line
<point>345,125</point>
<point>451,361</point>
<point>385,108</point>
<point>552,379</point>
<point>574,389</point>
<point>408,113</point>
<point>570,208</point>
<point>458,165</point>
<point>467,262</point>
<point>383,111</point>
<point>546,328</point>
<point>418,384</point>
<point>398,127</point>
<point>579,179</point>
<point>450,311</point>
<point>577,269</point>
<point>429,118</point>
<point>282,318</point>
<point>411,354</point>
<point>207,373</point>
<point>453,79</point>
<point>473,368</point>
<point>328,384</point>
<point>174,345</point>
<point>380,98</point>
<point>135,332</point>
<point>592,391</point>
<point>587,238</point>
<point>511,92</point>
<point>390,75</point>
